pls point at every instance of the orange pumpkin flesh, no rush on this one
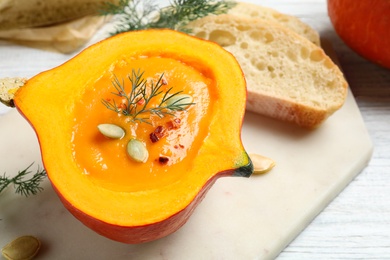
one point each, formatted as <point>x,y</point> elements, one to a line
<point>118,198</point>
<point>364,25</point>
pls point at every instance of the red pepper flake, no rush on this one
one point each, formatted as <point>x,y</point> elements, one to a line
<point>153,137</point>
<point>164,81</point>
<point>157,134</point>
<point>163,160</point>
<point>141,101</point>
<point>122,106</point>
<point>174,124</point>
<point>159,129</point>
<point>181,146</point>
<point>170,125</point>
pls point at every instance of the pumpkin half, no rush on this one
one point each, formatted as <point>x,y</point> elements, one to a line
<point>98,182</point>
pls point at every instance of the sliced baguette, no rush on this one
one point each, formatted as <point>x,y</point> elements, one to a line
<point>269,14</point>
<point>288,77</point>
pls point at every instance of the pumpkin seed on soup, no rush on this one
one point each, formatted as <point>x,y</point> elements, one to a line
<point>111,131</point>
<point>137,150</point>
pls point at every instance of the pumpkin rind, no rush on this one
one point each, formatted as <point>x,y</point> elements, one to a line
<point>364,26</point>
<point>48,102</point>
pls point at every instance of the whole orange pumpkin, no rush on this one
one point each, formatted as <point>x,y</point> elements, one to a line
<point>364,25</point>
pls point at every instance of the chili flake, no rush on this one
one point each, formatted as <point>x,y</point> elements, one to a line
<point>163,160</point>
<point>157,134</point>
<point>174,124</point>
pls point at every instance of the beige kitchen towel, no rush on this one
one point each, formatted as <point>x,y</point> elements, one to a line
<point>64,38</point>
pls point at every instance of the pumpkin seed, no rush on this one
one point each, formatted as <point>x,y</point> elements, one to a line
<point>111,131</point>
<point>137,150</point>
<point>22,248</point>
<point>180,100</point>
<point>261,163</point>
<point>8,88</point>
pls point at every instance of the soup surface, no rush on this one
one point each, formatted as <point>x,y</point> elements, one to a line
<point>180,133</point>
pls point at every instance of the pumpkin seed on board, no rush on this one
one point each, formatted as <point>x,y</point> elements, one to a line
<point>111,131</point>
<point>261,164</point>
<point>8,87</point>
<point>22,248</point>
<point>180,100</point>
<point>137,150</point>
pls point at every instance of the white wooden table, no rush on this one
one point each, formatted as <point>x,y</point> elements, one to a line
<point>356,225</point>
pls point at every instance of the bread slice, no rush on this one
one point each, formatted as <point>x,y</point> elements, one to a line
<point>288,77</point>
<point>294,23</point>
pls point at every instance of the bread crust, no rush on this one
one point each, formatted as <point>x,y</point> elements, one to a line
<point>294,23</point>
<point>285,110</point>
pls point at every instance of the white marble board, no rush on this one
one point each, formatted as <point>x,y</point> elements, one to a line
<point>240,218</point>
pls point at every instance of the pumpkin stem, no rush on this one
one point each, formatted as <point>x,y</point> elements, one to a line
<point>8,88</point>
<point>258,164</point>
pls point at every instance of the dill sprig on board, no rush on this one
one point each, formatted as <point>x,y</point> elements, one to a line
<point>22,185</point>
<point>133,15</point>
<point>137,100</point>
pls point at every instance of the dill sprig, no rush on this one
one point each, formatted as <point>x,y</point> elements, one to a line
<point>146,14</point>
<point>137,101</point>
<point>24,186</point>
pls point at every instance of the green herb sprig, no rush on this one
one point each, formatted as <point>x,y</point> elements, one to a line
<point>24,186</point>
<point>145,14</point>
<point>140,96</point>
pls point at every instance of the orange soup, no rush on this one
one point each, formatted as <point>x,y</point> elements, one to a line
<point>179,134</point>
